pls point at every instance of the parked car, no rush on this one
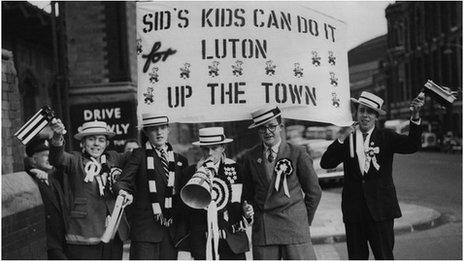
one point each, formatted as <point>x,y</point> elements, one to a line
<point>428,138</point>
<point>316,147</point>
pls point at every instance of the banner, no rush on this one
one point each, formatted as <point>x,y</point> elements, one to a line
<point>219,61</point>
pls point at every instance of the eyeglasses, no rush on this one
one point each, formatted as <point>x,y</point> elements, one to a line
<point>271,128</point>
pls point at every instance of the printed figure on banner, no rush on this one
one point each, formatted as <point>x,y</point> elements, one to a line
<point>333,79</point>
<point>316,59</point>
<point>139,46</point>
<point>213,69</point>
<point>298,70</point>
<point>331,58</point>
<point>237,69</point>
<point>185,71</point>
<point>335,100</point>
<point>270,68</point>
<point>149,95</point>
<point>154,76</point>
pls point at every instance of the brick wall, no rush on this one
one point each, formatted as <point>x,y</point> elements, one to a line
<point>131,38</point>
<point>12,150</point>
<point>85,25</point>
<point>23,218</point>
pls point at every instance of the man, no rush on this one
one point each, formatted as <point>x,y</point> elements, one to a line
<point>232,212</point>
<point>56,215</point>
<point>369,202</point>
<point>153,176</point>
<point>92,174</point>
<point>277,173</point>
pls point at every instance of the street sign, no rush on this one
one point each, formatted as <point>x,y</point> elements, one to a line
<point>120,117</point>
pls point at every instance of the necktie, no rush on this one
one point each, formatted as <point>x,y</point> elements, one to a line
<point>270,156</point>
<point>367,160</point>
<point>364,136</point>
<point>164,162</point>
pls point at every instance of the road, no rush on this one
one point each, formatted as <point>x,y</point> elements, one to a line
<point>428,179</point>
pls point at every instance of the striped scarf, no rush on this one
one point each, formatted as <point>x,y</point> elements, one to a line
<point>163,214</point>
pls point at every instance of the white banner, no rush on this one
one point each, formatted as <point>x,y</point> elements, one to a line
<point>219,61</point>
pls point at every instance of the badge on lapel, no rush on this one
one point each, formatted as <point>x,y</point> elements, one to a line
<point>283,168</point>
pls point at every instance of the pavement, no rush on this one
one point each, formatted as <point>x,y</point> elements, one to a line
<point>328,227</point>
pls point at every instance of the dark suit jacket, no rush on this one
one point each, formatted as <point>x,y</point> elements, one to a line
<point>197,223</point>
<point>375,187</point>
<point>56,216</point>
<point>279,219</point>
<point>88,210</point>
<point>134,180</point>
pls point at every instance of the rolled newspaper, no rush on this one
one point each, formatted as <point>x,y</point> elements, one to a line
<point>114,221</point>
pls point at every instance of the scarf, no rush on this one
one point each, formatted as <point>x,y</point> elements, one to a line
<point>163,213</point>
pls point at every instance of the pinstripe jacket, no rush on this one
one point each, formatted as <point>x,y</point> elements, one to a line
<point>280,219</point>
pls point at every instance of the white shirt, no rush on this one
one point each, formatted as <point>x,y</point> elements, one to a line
<point>361,147</point>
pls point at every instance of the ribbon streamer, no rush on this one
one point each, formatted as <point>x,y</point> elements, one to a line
<point>351,146</point>
<point>212,242</point>
<point>282,169</point>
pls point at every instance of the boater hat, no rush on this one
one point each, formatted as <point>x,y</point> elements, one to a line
<point>93,128</point>
<point>370,100</point>
<point>152,119</point>
<point>211,136</point>
<point>263,115</point>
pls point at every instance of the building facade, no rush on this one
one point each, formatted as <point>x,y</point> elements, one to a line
<point>366,67</point>
<point>424,42</point>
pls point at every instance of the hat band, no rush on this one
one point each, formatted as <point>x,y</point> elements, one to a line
<point>101,129</point>
<point>266,116</point>
<point>369,102</point>
<point>146,122</point>
<point>211,138</point>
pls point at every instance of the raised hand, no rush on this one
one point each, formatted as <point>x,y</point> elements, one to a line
<point>57,127</point>
<point>416,105</point>
<point>128,198</point>
<point>247,210</point>
<point>346,131</point>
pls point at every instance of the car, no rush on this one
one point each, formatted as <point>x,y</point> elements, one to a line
<point>428,138</point>
<point>316,148</point>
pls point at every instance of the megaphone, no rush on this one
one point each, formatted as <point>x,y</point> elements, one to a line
<point>197,192</point>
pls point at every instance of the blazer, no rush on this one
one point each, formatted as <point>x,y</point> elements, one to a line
<point>376,187</point>
<point>134,180</point>
<point>56,214</point>
<point>88,210</point>
<point>280,219</point>
<point>197,224</point>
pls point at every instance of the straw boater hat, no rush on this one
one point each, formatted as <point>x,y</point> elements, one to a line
<point>152,119</point>
<point>370,100</point>
<point>93,128</point>
<point>211,136</point>
<point>263,115</point>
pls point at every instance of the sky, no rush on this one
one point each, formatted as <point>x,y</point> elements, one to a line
<point>365,19</point>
